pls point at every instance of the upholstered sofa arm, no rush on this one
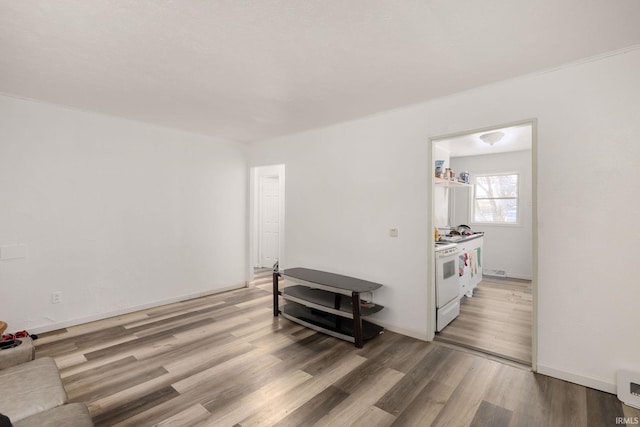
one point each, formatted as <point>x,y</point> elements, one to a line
<point>31,388</point>
<point>23,353</point>
<point>73,414</point>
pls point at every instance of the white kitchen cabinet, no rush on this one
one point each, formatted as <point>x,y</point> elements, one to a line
<point>470,265</point>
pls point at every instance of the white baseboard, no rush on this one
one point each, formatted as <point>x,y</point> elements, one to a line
<point>127,310</point>
<point>507,274</point>
<point>519,276</point>
<point>218,291</point>
<point>578,379</point>
<point>408,332</point>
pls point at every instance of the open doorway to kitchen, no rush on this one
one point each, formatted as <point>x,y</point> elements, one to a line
<point>483,202</point>
<point>266,192</point>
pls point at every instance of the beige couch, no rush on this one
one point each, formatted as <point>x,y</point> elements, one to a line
<point>32,391</point>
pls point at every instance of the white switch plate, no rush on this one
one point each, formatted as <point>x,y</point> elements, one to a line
<point>393,232</point>
<point>13,251</point>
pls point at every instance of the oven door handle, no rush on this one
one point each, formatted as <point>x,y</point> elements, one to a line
<point>450,254</point>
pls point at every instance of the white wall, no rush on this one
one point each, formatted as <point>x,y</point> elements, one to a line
<point>506,247</point>
<point>346,187</point>
<point>348,184</point>
<point>115,214</point>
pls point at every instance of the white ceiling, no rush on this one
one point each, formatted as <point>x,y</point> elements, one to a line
<point>515,138</point>
<point>247,70</point>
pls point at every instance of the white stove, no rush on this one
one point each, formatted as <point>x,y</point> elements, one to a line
<point>453,238</point>
<point>443,246</point>
<point>447,284</point>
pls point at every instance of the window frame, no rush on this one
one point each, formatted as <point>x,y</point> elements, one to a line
<point>472,202</point>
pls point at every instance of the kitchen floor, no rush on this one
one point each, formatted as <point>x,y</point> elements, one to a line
<point>496,320</point>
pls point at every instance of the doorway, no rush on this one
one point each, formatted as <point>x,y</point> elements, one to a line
<point>268,220</point>
<point>267,193</point>
<point>491,191</point>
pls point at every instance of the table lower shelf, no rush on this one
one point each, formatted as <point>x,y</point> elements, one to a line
<point>325,300</point>
<point>328,323</point>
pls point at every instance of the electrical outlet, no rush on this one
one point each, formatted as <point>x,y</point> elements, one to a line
<point>56,297</point>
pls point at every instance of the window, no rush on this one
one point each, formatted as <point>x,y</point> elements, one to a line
<point>495,199</point>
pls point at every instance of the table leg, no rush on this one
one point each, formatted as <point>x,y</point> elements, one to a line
<point>276,293</point>
<point>357,320</point>
<point>336,305</point>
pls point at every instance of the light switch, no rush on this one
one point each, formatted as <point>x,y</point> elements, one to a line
<point>393,232</point>
<point>13,251</point>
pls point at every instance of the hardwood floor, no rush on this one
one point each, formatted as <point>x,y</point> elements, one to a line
<point>496,320</point>
<point>224,360</point>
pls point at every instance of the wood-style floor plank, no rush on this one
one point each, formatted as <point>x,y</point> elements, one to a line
<point>295,404</point>
<point>428,403</point>
<point>224,360</point>
<point>496,320</point>
<point>491,415</point>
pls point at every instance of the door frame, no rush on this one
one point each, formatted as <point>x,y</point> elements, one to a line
<point>431,287</point>
<point>255,173</point>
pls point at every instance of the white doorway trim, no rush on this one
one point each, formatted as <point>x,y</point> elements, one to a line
<point>255,176</point>
<point>431,287</point>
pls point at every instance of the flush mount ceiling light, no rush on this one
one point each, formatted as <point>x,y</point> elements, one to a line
<point>492,137</point>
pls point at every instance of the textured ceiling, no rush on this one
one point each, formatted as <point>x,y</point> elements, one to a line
<point>247,70</point>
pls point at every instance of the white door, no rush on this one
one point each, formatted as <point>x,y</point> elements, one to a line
<point>269,234</point>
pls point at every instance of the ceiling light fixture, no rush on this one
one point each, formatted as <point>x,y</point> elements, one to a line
<point>492,137</point>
